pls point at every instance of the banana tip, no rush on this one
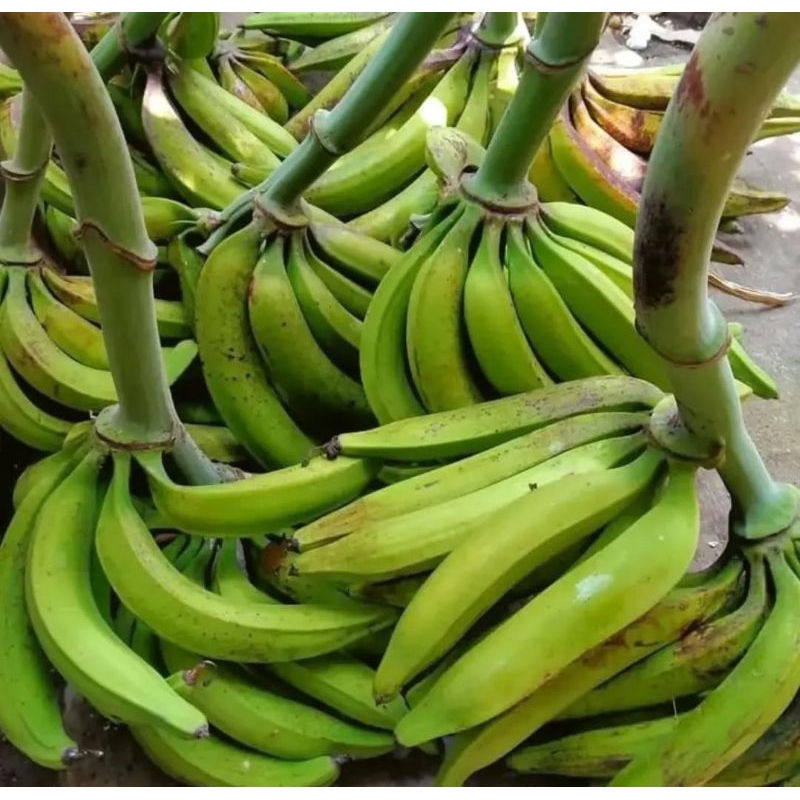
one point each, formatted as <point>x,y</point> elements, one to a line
<point>332,449</point>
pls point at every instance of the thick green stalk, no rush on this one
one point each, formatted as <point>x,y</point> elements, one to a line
<point>553,62</point>
<point>134,28</point>
<point>334,133</point>
<point>497,26</point>
<point>23,175</point>
<point>740,63</point>
<point>56,68</point>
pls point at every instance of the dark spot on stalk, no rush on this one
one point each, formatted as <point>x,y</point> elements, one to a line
<point>762,20</point>
<point>728,31</point>
<point>691,89</point>
<point>80,163</point>
<point>656,253</point>
<point>745,68</point>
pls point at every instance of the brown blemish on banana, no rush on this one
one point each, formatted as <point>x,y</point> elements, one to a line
<point>691,88</point>
<point>656,253</point>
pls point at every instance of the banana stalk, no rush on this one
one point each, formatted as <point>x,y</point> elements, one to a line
<point>71,94</point>
<point>23,175</point>
<point>682,201</point>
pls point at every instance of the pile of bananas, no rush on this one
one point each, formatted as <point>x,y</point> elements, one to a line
<point>598,147</point>
<point>416,367</point>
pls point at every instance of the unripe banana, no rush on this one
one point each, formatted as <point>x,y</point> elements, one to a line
<point>464,431</point>
<point>202,621</point>
<point>577,612</point>
<point>480,570</point>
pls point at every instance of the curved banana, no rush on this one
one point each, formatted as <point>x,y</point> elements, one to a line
<point>360,181</point>
<point>695,664</point>
<point>318,393</point>
<point>68,624</point>
<point>527,533</point>
<point>336,330</point>
<point>417,541</point>
<point>468,430</point>
<point>498,340</point>
<point>578,611</point>
<point>467,475</point>
<point>231,363</point>
<point>198,176</point>
<point>733,716</point>
<point>390,220</point>
<point>23,419</point>
<point>385,372</point>
<point>263,719</point>
<point>554,333</point>
<point>598,304</point>
<point>258,503</point>
<point>200,99</point>
<point>684,607</point>
<point>215,761</point>
<point>438,352</point>
<point>364,258</point>
<point>343,684</point>
<point>76,336</point>
<point>204,622</point>
<point>30,717</point>
<point>354,297</point>
<point>589,225</point>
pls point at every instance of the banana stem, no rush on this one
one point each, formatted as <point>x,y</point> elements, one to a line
<point>496,27</point>
<point>553,62</point>
<point>56,68</point>
<point>737,68</point>
<point>333,134</point>
<point>134,28</point>
<point>23,175</point>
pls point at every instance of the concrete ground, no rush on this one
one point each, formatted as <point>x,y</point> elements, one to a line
<point>770,245</point>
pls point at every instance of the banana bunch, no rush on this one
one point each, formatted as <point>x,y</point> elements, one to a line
<point>597,150</point>
<point>718,706</point>
<point>486,304</point>
<point>278,326</point>
<point>593,514</point>
<point>88,588</point>
<point>383,182</point>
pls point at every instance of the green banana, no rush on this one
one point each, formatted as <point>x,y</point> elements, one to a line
<point>261,718</point>
<point>257,503</point>
<point>192,34</point>
<point>466,475</point>
<point>734,715</point>
<point>364,258</point>
<point>61,229</point>
<point>384,363</point>
<point>316,390</point>
<point>417,541</point>
<point>559,341</point>
<point>199,177</point>
<point>361,180</point>
<point>29,714</point>
<point>594,753</point>
<point>598,305</point>
<point>197,97</point>
<point>214,761</point>
<point>438,352</point>
<point>336,330</point>
<point>354,297</point>
<point>344,685</point>
<point>498,340</point>
<point>218,443</point>
<point>575,613</point>
<point>272,67</point>
<point>68,624</point>
<point>266,93</point>
<point>229,356</point>
<point>76,336</point>
<point>23,419</point>
<point>464,431</point>
<point>303,25</point>
<point>201,621</point>
<point>694,664</point>
<point>149,179</point>
<point>390,220</point>
<point>527,533</point>
<point>688,604</point>
<point>591,226</point>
